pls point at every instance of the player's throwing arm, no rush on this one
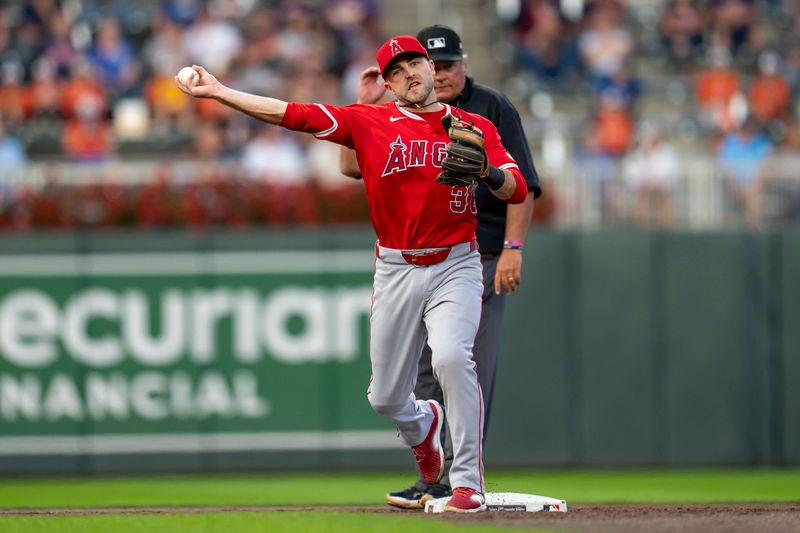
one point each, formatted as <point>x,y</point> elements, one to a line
<point>205,85</point>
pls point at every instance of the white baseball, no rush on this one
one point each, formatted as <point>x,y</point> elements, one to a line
<point>188,76</point>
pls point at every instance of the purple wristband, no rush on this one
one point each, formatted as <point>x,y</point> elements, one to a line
<point>513,245</point>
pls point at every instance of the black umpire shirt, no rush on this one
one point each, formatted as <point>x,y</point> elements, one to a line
<point>491,104</point>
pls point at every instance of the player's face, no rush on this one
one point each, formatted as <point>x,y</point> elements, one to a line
<point>411,80</point>
<point>449,80</point>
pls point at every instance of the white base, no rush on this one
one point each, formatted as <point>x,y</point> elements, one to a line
<point>508,501</point>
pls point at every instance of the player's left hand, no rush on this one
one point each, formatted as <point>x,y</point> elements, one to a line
<point>465,162</point>
<point>508,274</point>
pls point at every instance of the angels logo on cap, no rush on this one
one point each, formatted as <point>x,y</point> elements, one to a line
<point>396,47</point>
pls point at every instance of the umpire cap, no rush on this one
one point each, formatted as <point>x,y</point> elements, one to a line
<point>442,43</point>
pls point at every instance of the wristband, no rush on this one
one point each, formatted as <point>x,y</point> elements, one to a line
<point>495,179</point>
<point>513,245</point>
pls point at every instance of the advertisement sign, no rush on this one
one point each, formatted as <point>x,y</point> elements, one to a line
<point>218,351</point>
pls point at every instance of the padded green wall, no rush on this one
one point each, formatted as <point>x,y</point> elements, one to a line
<point>620,348</point>
<point>647,348</point>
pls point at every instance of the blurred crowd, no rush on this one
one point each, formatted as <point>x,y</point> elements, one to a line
<point>731,67</point>
<point>90,83</point>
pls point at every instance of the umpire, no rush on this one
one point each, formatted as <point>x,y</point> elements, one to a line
<point>501,227</point>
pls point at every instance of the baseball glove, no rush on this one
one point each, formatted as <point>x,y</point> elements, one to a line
<point>466,162</point>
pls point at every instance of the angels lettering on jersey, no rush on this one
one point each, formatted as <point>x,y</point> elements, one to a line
<point>413,153</point>
<point>419,153</point>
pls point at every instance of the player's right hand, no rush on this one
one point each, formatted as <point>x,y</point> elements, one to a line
<point>370,88</point>
<point>206,87</point>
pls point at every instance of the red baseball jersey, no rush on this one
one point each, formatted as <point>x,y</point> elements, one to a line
<point>400,154</point>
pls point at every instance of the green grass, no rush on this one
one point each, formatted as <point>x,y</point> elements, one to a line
<point>598,486</point>
<point>290,522</point>
<point>601,486</point>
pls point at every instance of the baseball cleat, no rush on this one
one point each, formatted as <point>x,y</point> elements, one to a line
<point>410,498</point>
<point>415,496</point>
<point>466,500</point>
<point>434,492</point>
<point>429,453</point>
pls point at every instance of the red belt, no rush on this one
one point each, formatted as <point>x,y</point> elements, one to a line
<point>426,258</point>
<point>431,257</point>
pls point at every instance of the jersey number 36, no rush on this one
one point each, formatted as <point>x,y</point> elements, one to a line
<point>460,198</point>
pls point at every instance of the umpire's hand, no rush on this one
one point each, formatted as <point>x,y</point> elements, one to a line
<point>370,86</point>
<point>508,274</point>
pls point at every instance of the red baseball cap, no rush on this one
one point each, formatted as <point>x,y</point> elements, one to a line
<point>401,45</point>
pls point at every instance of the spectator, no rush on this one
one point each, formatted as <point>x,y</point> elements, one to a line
<point>613,126</point>
<point>12,107</point>
<point>233,10</point>
<point>163,54</point>
<point>87,137</point>
<point>790,48</point>
<point>274,156</point>
<point>32,33</point>
<point>741,156</point>
<point>114,60</point>
<point>6,41</point>
<point>622,87</point>
<point>598,173</point>
<point>13,161</point>
<point>605,46</point>
<point>651,172</point>
<point>734,25</point>
<point>543,48</point>
<point>181,12</point>
<point>82,84</point>
<point>353,26</point>
<point>681,25</point>
<point>770,92</point>
<point>211,42</point>
<point>716,88</point>
<point>60,50</point>
<point>42,98</point>
<point>258,62</point>
<point>352,20</point>
<point>300,40</point>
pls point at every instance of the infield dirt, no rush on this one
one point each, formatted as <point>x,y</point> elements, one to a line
<point>616,518</point>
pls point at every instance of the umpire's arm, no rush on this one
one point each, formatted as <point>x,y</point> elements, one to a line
<point>348,164</point>
<point>508,274</point>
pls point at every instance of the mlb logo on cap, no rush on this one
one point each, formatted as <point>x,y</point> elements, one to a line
<point>442,43</point>
<point>401,45</point>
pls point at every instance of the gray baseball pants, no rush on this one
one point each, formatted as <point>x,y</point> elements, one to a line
<point>439,305</point>
<point>485,354</point>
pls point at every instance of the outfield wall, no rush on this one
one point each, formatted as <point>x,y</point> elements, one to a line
<point>248,350</point>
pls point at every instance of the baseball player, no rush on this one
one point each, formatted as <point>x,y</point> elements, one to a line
<point>422,162</point>
<point>501,227</point>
